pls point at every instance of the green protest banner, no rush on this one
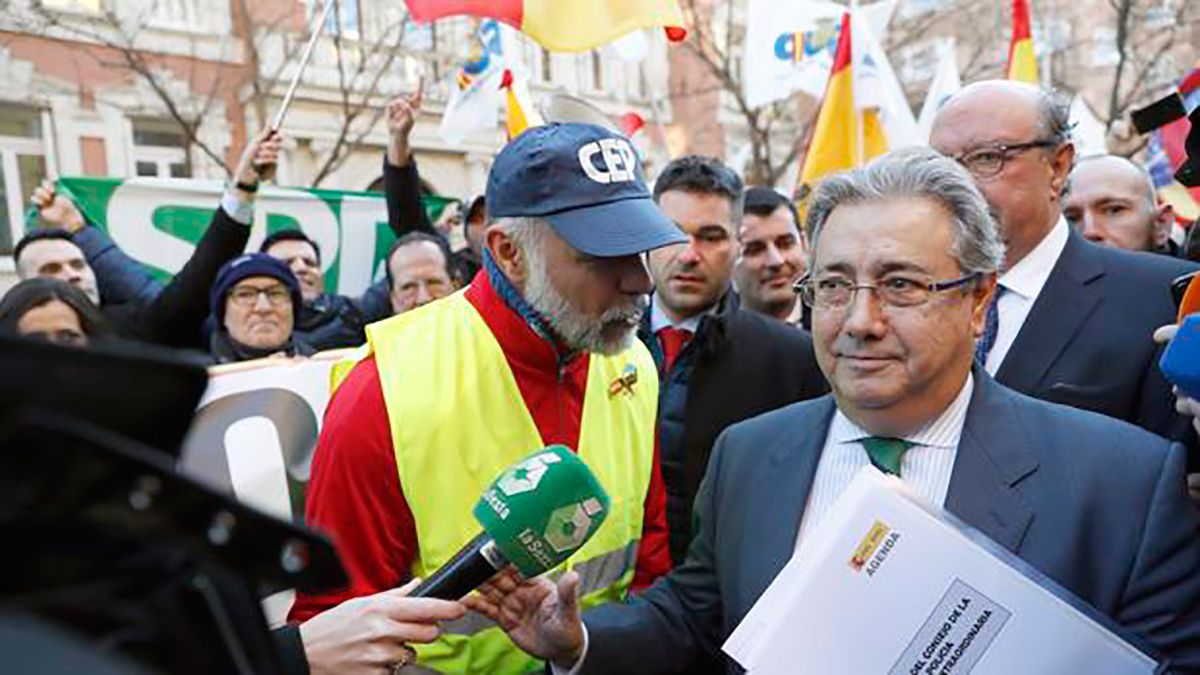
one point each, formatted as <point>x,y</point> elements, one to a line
<point>158,221</point>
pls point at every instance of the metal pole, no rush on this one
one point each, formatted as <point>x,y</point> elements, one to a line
<point>312,41</point>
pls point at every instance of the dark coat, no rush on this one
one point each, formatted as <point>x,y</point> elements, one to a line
<point>175,315</point>
<point>739,364</point>
<point>1086,342</point>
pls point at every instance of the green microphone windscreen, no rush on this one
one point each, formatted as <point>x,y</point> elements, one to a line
<point>542,509</point>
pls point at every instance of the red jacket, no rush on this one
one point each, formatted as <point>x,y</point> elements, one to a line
<point>354,494</point>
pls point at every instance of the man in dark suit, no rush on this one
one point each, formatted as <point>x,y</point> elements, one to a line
<point>903,268</point>
<point>1073,320</point>
<point>718,364</point>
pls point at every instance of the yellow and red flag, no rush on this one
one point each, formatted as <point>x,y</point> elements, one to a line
<point>564,25</point>
<point>521,113</point>
<point>1022,62</point>
<point>844,136</point>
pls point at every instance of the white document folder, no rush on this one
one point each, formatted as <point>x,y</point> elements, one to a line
<point>893,585</point>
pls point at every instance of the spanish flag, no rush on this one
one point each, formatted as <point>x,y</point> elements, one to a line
<point>1022,62</point>
<point>564,25</point>
<point>521,113</point>
<point>844,137</point>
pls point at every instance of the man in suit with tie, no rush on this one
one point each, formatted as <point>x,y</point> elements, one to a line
<point>903,267</point>
<point>1072,320</point>
<point>717,363</point>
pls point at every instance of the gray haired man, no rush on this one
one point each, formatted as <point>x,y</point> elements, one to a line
<point>903,265</point>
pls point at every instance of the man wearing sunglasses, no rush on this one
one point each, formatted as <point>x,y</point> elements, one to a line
<point>1071,321</point>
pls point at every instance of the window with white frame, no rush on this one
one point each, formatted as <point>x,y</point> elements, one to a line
<point>159,150</point>
<point>22,167</point>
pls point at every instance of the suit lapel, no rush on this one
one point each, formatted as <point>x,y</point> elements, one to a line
<point>1055,318</point>
<point>993,456</point>
<point>794,464</point>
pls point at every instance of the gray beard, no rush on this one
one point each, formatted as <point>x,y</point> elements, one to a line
<point>611,334</point>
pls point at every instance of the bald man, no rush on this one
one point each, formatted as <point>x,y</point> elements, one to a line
<point>1112,201</point>
<point>1071,321</point>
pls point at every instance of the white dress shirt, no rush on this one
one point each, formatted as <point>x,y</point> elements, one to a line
<point>1022,283</point>
<point>659,319</point>
<point>926,466</point>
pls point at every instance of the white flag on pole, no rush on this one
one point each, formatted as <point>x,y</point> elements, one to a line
<point>475,88</point>
<point>789,47</point>
<point>876,86</point>
<point>946,83</point>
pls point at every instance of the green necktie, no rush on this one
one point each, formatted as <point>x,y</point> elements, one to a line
<point>886,453</point>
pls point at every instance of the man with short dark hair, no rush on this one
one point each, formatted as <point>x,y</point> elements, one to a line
<point>418,271</point>
<point>718,364</point>
<point>1111,201</point>
<point>52,253</point>
<point>772,256</point>
<point>1072,321</point>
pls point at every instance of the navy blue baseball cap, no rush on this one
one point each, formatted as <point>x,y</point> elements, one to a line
<point>587,182</point>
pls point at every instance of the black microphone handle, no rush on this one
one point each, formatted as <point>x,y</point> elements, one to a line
<point>475,563</point>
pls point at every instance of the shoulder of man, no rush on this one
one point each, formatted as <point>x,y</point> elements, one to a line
<point>763,433</point>
<point>1084,438</point>
<point>1141,268</point>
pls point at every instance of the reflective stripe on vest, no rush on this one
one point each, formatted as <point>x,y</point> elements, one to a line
<point>458,419</point>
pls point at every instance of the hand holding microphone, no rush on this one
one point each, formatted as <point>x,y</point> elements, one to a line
<point>534,516</point>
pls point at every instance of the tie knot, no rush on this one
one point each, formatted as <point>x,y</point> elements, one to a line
<point>672,340</point>
<point>886,453</point>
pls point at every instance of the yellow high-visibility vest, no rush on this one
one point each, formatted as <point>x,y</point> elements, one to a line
<point>458,420</point>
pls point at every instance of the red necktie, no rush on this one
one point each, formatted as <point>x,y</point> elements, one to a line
<point>672,340</point>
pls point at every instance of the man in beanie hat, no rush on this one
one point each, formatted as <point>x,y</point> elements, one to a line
<point>254,301</point>
<point>539,349</point>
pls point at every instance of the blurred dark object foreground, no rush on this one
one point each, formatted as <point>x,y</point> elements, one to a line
<point>113,561</point>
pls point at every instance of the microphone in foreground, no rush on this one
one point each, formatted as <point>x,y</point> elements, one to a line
<point>1180,361</point>
<point>535,514</point>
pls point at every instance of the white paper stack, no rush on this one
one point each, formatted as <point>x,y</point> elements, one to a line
<point>890,584</point>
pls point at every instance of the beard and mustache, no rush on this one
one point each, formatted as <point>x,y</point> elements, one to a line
<point>611,333</point>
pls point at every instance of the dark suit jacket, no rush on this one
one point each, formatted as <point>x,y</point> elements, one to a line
<point>1097,505</point>
<point>745,364</point>
<point>1087,340</point>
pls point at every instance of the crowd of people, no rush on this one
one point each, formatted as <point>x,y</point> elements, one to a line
<point>976,317</point>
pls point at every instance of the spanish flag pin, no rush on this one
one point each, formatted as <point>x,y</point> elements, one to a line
<point>624,383</point>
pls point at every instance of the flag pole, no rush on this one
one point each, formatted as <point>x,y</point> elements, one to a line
<point>312,41</point>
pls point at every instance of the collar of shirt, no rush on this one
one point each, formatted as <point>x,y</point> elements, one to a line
<point>941,432</point>
<point>1027,277</point>
<point>659,319</point>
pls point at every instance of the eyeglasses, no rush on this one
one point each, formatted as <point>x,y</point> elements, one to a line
<point>988,162</point>
<point>247,296</point>
<point>836,292</point>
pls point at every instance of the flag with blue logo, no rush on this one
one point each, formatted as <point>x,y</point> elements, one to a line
<point>789,47</point>
<point>475,87</point>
